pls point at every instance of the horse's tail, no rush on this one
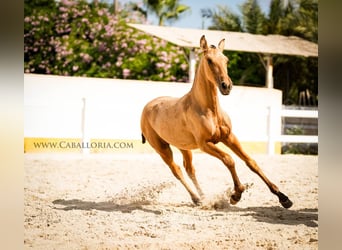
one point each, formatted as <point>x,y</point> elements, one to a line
<point>143,138</point>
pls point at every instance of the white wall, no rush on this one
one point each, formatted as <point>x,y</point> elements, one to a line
<point>53,107</point>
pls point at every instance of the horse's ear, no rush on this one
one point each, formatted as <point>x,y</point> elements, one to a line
<point>221,45</point>
<point>204,44</point>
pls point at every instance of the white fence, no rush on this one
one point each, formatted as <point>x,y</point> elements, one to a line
<point>272,138</point>
<point>94,108</point>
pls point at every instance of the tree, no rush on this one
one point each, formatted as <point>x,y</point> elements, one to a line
<point>253,18</point>
<point>224,19</point>
<point>166,10</point>
<point>244,68</point>
<point>307,14</point>
<point>296,18</point>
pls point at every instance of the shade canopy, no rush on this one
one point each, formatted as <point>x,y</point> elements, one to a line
<point>266,45</point>
<point>235,41</point>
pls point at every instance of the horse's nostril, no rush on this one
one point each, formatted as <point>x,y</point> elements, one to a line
<point>224,85</point>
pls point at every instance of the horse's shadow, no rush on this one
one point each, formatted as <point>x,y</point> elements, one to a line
<point>272,215</point>
<point>279,215</point>
<point>107,206</point>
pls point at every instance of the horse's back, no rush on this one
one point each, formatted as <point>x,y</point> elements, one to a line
<point>158,106</point>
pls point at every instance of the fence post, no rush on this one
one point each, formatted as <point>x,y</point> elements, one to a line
<point>85,139</point>
<point>270,131</point>
<point>192,66</point>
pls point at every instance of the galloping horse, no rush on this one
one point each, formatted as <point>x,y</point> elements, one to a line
<point>196,120</point>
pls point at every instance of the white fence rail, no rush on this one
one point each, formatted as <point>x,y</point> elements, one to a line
<point>290,138</point>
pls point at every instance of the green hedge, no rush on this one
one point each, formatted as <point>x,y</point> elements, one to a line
<point>81,39</point>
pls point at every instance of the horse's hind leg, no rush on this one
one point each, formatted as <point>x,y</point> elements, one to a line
<point>234,144</point>
<point>166,154</point>
<point>187,162</point>
<point>164,150</point>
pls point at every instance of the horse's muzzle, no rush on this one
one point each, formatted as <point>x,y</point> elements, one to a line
<point>225,88</point>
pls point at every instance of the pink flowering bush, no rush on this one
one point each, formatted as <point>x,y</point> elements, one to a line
<point>82,39</point>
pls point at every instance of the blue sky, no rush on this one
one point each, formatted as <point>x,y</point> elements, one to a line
<point>193,18</point>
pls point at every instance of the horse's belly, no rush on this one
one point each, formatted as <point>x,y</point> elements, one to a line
<point>175,133</point>
<point>169,121</point>
<point>180,140</point>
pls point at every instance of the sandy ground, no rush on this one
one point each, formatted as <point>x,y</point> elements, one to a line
<point>132,201</point>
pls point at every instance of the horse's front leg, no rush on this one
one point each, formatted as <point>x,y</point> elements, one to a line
<point>233,143</point>
<point>210,148</point>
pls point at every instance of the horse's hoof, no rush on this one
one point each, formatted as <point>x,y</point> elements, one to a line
<point>197,201</point>
<point>234,200</point>
<point>287,203</point>
<point>284,200</point>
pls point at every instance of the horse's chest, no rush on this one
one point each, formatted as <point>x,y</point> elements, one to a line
<point>218,134</point>
<point>216,130</point>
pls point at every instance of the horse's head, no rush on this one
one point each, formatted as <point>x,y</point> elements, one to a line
<point>217,64</point>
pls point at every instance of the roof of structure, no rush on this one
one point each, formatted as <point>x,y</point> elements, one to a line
<point>235,41</point>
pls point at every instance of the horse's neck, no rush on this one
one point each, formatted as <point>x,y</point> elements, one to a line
<point>204,93</point>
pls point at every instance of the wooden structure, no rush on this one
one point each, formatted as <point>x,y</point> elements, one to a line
<point>264,45</point>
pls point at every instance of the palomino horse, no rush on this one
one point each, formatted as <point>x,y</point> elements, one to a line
<point>196,120</point>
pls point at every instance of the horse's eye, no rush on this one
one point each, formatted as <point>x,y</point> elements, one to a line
<point>209,60</point>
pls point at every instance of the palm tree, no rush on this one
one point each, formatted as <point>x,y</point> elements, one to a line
<point>253,18</point>
<point>224,19</point>
<point>308,15</point>
<point>166,10</point>
<point>296,17</point>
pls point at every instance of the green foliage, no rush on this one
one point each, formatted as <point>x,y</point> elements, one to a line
<point>166,10</point>
<point>299,148</point>
<point>295,130</point>
<point>253,18</point>
<point>245,68</point>
<point>275,15</point>
<point>224,19</point>
<point>82,39</point>
<point>35,6</point>
<point>292,74</point>
<point>308,15</point>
